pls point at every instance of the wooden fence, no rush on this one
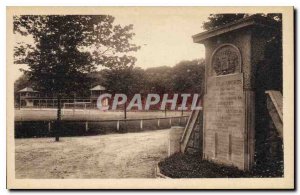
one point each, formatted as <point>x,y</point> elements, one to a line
<point>46,128</point>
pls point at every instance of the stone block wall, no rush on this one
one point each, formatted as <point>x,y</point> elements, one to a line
<point>196,139</point>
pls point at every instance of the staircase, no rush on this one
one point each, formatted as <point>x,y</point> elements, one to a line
<point>274,105</point>
<point>192,137</point>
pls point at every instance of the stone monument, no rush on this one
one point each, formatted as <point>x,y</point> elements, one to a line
<point>232,53</point>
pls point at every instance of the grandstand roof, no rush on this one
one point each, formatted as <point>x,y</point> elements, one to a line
<point>27,89</point>
<point>98,88</point>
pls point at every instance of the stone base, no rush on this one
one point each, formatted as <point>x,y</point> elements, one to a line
<point>174,139</point>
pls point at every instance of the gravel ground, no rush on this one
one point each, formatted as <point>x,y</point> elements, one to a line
<point>131,155</point>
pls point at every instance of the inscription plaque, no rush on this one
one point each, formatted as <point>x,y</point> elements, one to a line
<point>224,104</point>
<point>225,119</point>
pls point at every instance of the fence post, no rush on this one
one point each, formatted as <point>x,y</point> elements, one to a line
<point>141,124</point>
<point>170,121</point>
<point>158,122</point>
<point>118,125</point>
<point>179,120</point>
<point>49,126</point>
<point>86,126</point>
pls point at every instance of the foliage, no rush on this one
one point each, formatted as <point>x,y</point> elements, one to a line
<point>184,77</point>
<point>67,47</point>
<point>159,79</point>
<point>21,83</point>
<point>127,80</point>
<point>189,166</point>
<point>217,20</point>
<point>188,76</point>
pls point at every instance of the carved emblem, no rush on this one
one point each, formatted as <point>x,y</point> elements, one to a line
<point>226,59</point>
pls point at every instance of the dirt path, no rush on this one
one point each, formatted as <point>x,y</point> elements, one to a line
<point>131,155</point>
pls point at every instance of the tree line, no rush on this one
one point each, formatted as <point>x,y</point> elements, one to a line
<point>185,77</point>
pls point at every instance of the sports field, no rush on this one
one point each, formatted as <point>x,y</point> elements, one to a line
<point>50,114</point>
<point>130,155</point>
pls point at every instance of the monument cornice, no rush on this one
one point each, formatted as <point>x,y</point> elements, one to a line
<point>251,21</point>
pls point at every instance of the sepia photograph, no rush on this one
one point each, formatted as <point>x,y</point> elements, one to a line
<point>150,97</point>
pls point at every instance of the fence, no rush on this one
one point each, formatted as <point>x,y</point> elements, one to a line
<point>25,129</point>
<point>40,103</point>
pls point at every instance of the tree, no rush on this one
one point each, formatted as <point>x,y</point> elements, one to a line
<point>217,20</point>
<point>67,47</point>
<point>188,76</point>
<point>126,80</point>
<point>159,81</point>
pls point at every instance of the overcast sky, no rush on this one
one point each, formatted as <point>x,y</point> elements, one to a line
<point>163,33</point>
<point>165,38</point>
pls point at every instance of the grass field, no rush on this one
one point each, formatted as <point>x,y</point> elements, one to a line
<point>50,114</point>
<point>131,155</point>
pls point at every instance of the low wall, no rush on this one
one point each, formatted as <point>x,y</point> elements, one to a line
<point>26,129</point>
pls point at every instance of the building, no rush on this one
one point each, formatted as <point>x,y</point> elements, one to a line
<point>27,96</point>
<point>30,98</point>
<point>95,93</point>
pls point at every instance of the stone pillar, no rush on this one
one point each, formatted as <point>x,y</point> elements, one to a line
<point>175,135</point>
<point>232,53</point>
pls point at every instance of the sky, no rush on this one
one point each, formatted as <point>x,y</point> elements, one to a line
<point>164,34</point>
<point>165,39</point>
